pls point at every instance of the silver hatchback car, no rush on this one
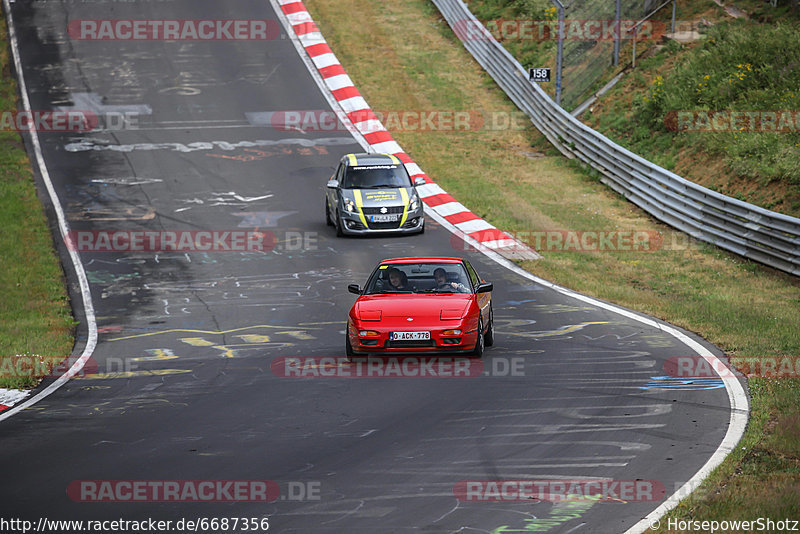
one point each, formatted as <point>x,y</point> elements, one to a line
<point>373,193</point>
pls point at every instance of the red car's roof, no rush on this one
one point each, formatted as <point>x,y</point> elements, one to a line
<point>422,260</point>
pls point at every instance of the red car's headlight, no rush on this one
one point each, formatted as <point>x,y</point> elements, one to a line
<point>450,315</point>
<point>369,315</point>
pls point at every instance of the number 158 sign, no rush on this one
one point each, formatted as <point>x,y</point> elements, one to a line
<point>539,75</point>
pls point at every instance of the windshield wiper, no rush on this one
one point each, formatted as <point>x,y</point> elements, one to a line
<point>437,290</point>
<point>382,186</point>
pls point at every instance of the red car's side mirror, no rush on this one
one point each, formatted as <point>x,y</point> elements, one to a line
<point>484,287</point>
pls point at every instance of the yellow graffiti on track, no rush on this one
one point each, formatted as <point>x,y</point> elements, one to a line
<point>133,374</point>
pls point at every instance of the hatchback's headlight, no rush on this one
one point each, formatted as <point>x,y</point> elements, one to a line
<point>414,204</point>
<point>350,206</point>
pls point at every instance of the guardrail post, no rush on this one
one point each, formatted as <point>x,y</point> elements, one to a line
<point>617,36</point>
<point>560,52</point>
<point>674,8</point>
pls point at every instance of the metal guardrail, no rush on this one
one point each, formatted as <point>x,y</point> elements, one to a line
<point>756,233</point>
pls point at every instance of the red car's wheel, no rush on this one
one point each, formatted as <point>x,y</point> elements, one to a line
<point>488,339</point>
<point>348,348</point>
<point>477,352</point>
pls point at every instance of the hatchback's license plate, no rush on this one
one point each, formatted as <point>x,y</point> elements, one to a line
<point>383,218</point>
<point>411,336</point>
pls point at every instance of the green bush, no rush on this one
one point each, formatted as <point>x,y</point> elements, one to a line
<point>740,67</point>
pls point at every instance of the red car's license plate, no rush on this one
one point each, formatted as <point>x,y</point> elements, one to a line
<point>410,336</point>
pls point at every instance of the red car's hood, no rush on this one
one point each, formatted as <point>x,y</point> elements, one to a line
<point>434,306</point>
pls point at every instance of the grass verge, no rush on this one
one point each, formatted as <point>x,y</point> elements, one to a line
<point>402,56</point>
<point>36,325</point>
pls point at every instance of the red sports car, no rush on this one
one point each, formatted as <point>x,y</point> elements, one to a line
<point>421,305</point>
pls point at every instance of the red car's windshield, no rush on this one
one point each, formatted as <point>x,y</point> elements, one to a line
<point>419,278</point>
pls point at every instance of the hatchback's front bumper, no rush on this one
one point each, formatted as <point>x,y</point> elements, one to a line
<point>354,224</point>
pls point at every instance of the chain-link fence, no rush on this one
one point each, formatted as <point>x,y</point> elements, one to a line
<point>597,36</point>
<point>587,60</point>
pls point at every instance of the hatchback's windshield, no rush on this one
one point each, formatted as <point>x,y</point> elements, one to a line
<point>376,176</point>
<point>419,278</point>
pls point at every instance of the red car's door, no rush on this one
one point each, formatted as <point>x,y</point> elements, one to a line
<point>484,300</point>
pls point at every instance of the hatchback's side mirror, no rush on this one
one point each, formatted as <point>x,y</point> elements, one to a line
<point>484,287</point>
<point>353,288</point>
<point>419,180</point>
<point>333,183</point>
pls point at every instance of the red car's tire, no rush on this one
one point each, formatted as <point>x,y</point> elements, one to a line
<point>480,345</point>
<point>488,339</point>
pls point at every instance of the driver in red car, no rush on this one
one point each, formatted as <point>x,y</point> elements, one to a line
<point>441,282</point>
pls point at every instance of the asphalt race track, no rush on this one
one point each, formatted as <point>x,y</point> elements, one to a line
<point>183,387</point>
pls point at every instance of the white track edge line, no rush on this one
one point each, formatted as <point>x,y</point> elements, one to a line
<point>88,307</point>
<point>740,405</point>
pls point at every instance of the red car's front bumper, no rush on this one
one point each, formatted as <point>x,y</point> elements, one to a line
<point>374,337</point>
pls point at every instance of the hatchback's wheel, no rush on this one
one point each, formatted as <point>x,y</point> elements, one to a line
<point>328,220</point>
<point>339,226</point>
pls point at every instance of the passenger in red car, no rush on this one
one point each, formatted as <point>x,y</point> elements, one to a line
<point>398,279</point>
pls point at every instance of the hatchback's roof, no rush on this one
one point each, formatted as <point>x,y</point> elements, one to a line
<point>363,159</point>
<point>426,259</point>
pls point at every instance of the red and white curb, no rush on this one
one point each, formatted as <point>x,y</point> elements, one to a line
<point>367,124</point>
<point>9,397</point>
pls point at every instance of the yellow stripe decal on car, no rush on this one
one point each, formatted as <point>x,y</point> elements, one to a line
<point>359,203</point>
<point>404,197</point>
<point>353,160</point>
<point>395,160</point>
